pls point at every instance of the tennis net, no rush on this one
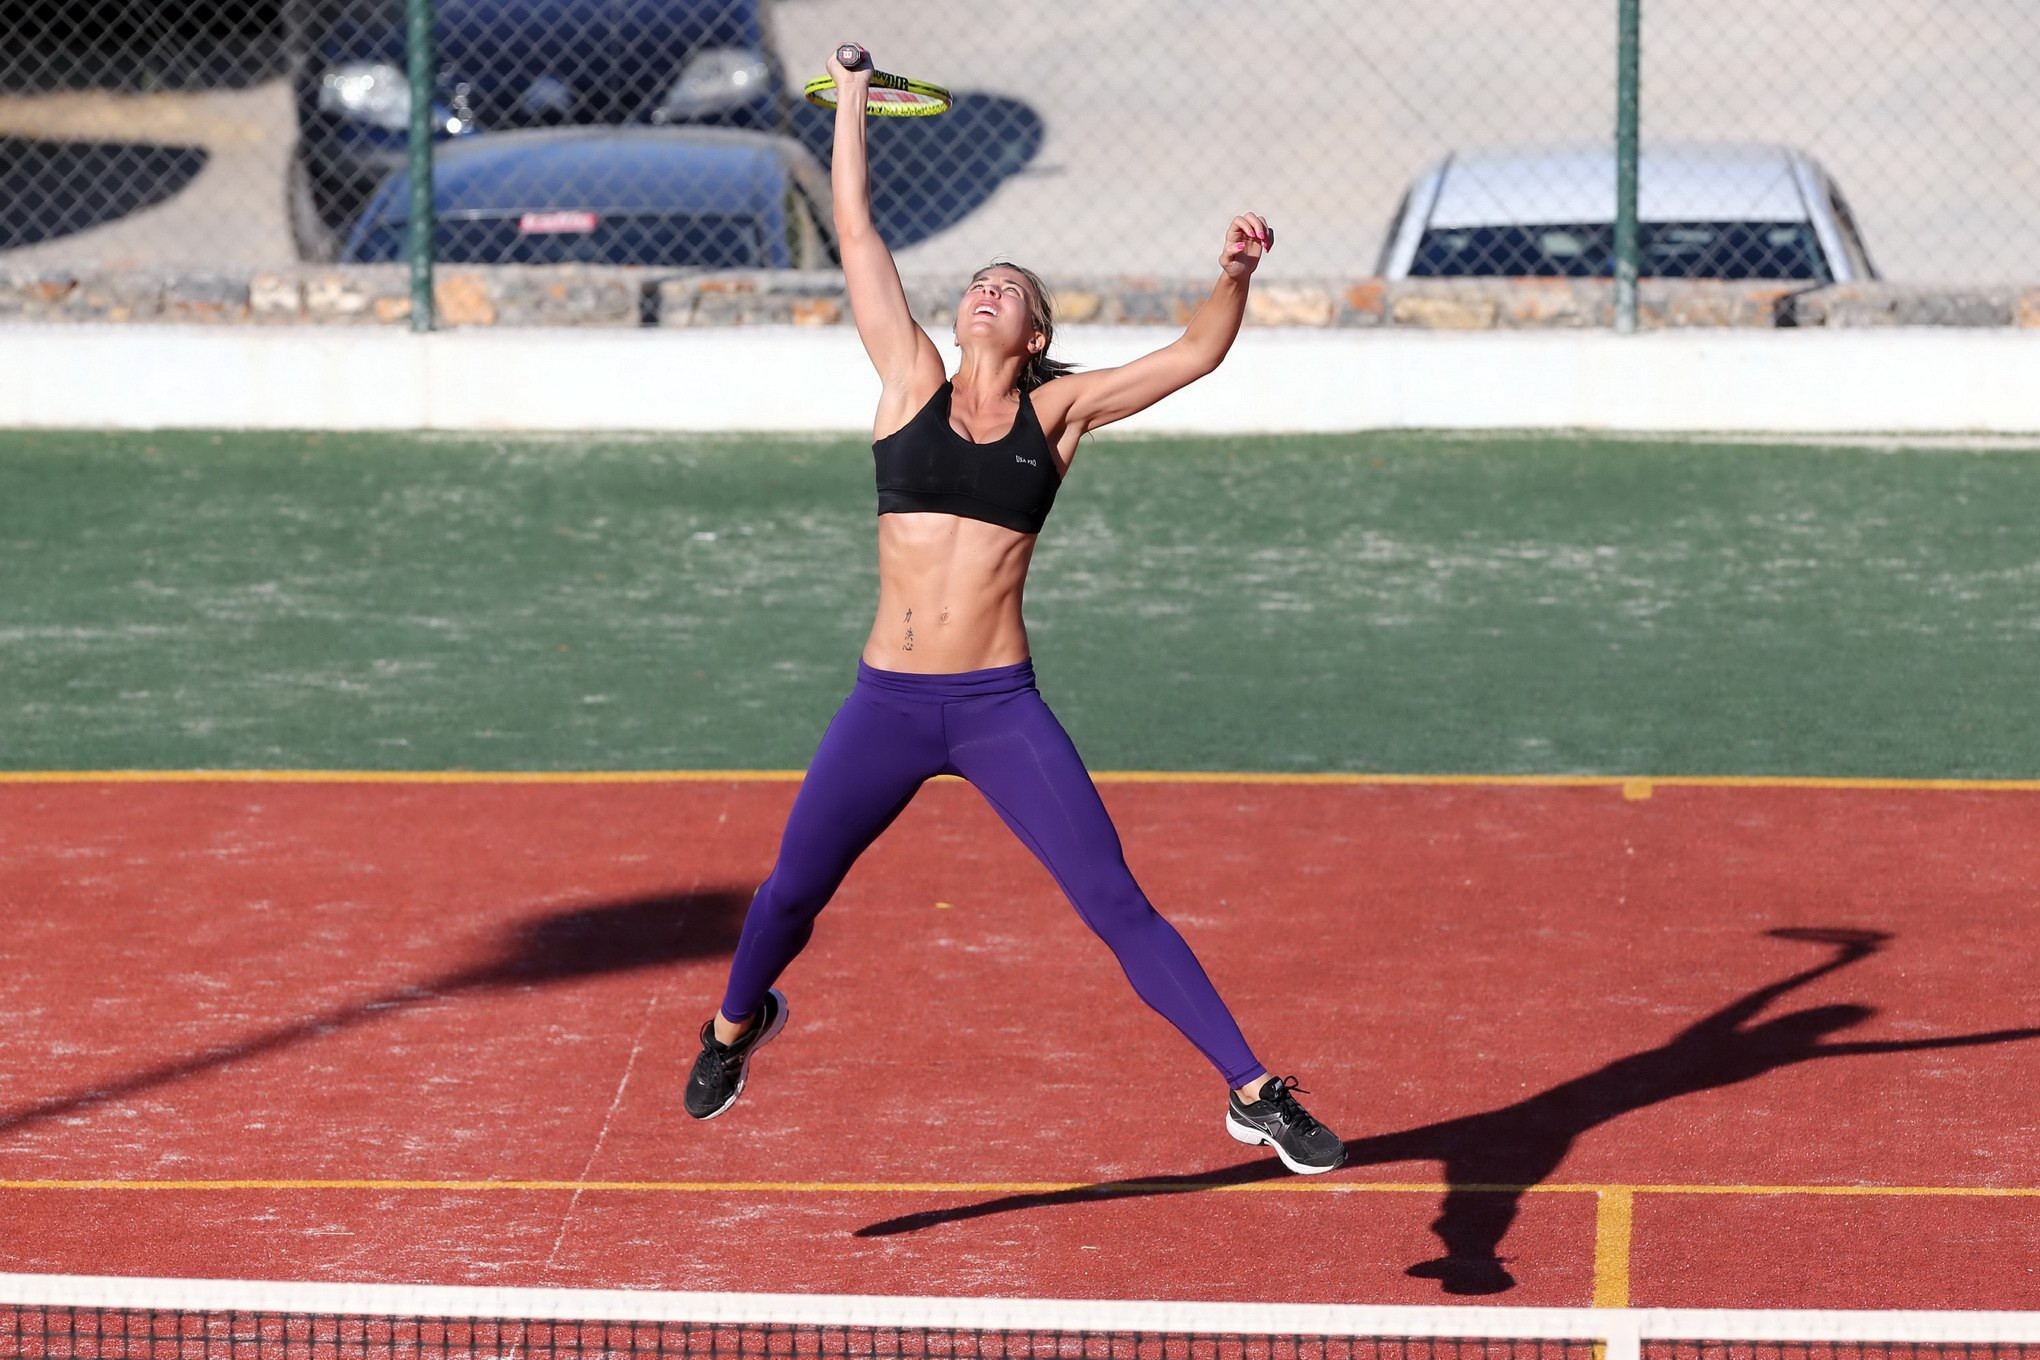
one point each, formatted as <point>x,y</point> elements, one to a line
<point>119,1318</point>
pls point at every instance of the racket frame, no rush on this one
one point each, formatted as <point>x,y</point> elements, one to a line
<point>821,92</point>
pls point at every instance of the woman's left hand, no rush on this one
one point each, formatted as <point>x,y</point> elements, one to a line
<point>1246,241</point>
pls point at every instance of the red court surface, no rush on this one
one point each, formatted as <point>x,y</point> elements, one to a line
<point>241,1001</point>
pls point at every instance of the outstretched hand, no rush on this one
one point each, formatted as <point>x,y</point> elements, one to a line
<point>1247,239</point>
<point>846,78</point>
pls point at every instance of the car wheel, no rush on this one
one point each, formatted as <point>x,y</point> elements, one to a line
<point>316,242</point>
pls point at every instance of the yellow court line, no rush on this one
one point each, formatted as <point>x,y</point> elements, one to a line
<point>1944,1191</point>
<point>398,776</point>
<point>745,1187</point>
<point>1612,1221</point>
<point>1633,786</point>
<point>1286,1186</point>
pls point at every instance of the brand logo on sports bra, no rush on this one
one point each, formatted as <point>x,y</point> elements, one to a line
<point>1029,461</point>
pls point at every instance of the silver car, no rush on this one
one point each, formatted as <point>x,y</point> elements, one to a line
<point>1707,210</point>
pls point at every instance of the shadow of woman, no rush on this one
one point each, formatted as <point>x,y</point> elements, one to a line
<point>1490,1159</point>
<point>548,950</point>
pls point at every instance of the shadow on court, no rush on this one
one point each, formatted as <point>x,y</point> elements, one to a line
<point>1492,1157</point>
<point>544,951</point>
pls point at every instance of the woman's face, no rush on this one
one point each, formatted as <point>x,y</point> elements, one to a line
<point>998,310</point>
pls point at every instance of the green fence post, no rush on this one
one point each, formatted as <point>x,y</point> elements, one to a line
<point>418,239</point>
<point>1626,119</point>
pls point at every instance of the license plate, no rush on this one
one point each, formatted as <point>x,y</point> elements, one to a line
<point>549,223</point>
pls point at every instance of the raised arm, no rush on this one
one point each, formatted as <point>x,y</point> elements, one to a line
<point>1103,395</point>
<point>896,344</point>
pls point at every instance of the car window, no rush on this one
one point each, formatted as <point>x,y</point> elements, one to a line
<point>1672,250</point>
<point>710,242</point>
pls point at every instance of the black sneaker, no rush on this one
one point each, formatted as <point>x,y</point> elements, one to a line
<point>718,1076</point>
<point>1304,1145</point>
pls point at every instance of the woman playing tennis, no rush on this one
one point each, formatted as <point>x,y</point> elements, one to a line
<point>968,467</point>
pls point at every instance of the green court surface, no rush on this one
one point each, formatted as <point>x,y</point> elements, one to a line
<point>1404,603</point>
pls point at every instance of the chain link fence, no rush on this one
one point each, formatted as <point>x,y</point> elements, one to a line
<point>1830,139</point>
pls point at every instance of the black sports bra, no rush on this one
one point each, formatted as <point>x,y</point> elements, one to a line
<point>927,465</point>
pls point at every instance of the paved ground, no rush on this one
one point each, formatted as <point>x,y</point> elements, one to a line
<point>230,214</point>
<point>1163,116</point>
<point>1159,118</point>
<point>435,1033</point>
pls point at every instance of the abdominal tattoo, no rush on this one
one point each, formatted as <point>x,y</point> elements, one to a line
<point>908,644</point>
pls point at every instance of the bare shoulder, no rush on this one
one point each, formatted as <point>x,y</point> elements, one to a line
<point>1052,400</point>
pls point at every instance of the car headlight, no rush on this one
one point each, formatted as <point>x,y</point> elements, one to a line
<point>715,80</point>
<point>372,92</point>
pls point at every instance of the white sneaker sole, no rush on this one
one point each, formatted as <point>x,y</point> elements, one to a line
<point>1253,1137</point>
<point>744,1068</point>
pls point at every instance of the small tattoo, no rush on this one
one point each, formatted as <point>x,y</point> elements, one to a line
<point>910,640</point>
<point>910,616</point>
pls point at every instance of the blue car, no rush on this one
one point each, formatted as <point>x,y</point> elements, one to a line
<point>676,198</point>
<point>510,64</point>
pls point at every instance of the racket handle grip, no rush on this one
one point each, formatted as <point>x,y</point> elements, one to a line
<point>853,57</point>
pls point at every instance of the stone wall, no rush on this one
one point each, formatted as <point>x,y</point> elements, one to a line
<point>608,297</point>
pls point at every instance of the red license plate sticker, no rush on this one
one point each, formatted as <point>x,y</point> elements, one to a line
<point>545,223</point>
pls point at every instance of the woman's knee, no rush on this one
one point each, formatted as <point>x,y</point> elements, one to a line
<point>790,898</point>
<point>1114,906</point>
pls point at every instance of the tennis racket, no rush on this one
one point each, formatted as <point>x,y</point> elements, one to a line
<point>891,96</point>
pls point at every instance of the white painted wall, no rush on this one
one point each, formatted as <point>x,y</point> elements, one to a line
<point>797,379</point>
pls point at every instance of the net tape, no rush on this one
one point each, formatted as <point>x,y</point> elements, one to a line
<point>117,1318</point>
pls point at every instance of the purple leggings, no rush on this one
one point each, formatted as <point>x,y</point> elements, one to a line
<point>897,730</point>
